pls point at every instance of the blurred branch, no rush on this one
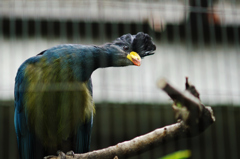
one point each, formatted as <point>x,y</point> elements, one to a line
<point>188,107</point>
<point>193,117</point>
<point>136,145</point>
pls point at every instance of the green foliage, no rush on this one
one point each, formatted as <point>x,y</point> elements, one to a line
<point>182,154</point>
<point>178,104</point>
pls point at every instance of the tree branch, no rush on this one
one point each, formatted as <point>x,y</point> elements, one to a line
<point>191,111</point>
<point>193,117</point>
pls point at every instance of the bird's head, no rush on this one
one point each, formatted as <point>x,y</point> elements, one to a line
<point>130,49</point>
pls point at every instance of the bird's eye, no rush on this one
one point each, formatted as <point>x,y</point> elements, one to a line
<point>125,48</point>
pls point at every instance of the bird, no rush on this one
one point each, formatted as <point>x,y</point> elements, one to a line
<point>54,107</point>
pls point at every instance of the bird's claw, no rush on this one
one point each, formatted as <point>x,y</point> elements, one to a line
<point>61,154</point>
<point>70,153</point>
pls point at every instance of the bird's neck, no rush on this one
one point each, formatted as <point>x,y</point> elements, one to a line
<point>102,56</point>
<point>95,57</point>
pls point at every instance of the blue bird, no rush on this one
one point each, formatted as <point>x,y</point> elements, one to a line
<point>53,93</point>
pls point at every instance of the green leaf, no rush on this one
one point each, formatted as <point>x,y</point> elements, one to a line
<point>182,154</point>
<point>178,104</point>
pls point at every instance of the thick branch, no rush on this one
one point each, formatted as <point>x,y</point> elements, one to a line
<point>136,145</point>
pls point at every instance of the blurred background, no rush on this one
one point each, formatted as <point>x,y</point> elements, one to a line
<point>194,38</point>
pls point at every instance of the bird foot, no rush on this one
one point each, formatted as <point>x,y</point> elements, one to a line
<point>61,154</point>
<point>70,153</point>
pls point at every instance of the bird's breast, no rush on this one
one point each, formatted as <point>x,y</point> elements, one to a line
<point>56,104</point>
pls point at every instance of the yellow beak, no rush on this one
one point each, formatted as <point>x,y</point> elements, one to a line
<point>135,58</point>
